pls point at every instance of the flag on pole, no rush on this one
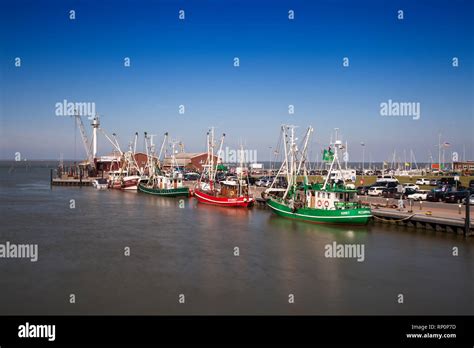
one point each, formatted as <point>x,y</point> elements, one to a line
<point>328,155</point>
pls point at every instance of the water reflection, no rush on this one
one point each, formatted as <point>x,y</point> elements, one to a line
<point>191,250</point>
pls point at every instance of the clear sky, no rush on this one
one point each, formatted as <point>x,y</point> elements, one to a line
<point>282,62</point>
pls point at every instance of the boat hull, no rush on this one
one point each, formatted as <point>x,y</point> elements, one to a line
<point>127,183</point>
<point>349,216</point>
<point>242,201</point>
<point>177,192</point>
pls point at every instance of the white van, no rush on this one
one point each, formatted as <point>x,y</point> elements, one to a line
<point>386,178</point>
<point>343,174</point>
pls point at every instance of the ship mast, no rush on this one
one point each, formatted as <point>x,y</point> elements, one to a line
<point>302,161</point>
<point>335,161</point>
<point>290,158</point>
<point>219,153</point>
<point>241,168</point>
<point>295,160</point>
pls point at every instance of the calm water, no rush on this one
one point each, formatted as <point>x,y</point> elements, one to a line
<point>190,251</point>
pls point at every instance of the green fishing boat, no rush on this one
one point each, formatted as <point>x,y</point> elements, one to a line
<point>161,183</point>
<point>330,202</point>
<point>313,204</point>
<point>173,192</point>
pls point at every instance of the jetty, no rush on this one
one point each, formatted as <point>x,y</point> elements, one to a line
<point>444,217</point>
<point>65,180</point>
<point>446,221</point>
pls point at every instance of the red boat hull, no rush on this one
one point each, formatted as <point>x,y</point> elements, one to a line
<point>131,184</point>
<point>242,201</point>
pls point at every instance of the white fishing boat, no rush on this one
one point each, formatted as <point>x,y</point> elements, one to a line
<point>100,184</point>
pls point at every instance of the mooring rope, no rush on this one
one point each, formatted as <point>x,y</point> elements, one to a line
<point>394,220</point>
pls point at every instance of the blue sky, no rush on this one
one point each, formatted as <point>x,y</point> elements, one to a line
<point>282,62</point>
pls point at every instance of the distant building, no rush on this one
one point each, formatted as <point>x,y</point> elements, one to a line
<point>465,168</point>
<point>114,162</point>
<point>107,163</point>
<point>142,160</point>
<point>189,161</point>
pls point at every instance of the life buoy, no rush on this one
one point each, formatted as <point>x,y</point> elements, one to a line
<point>326,204</point>
<point>319,203</point>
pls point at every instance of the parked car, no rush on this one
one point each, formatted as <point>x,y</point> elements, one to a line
<point>386,184</point>
<point>434,182</point>
<point>252,180</point>
<point>230,178</point>
<point>388,192</point>
<point>437,194</point>
<point>411,186</point>
<point>280,182</point>
<point>362,190</point>
<point>418,196</point>
<point>447,181</point>
<point>404,194</point>
<point>471,200</point>
<point>386,178</point>
<point>376,191</point>
<point>455,196</point>
<point>264,181</point>
<point>423,181</point>
<point>261,182</point>
<point>191,176</point>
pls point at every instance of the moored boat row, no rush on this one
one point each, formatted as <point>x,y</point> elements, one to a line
<point>329,202</point>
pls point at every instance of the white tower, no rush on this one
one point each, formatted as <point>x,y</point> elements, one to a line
<point>95,125</point>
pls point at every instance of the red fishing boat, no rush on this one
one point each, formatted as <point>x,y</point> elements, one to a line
<point>226,196</point>
<point>226,193</point>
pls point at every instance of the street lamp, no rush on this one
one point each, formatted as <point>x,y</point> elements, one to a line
<point>363,156</point>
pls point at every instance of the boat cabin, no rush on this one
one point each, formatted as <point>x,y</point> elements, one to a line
<point>329,199</point>
<point>173,182</point>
